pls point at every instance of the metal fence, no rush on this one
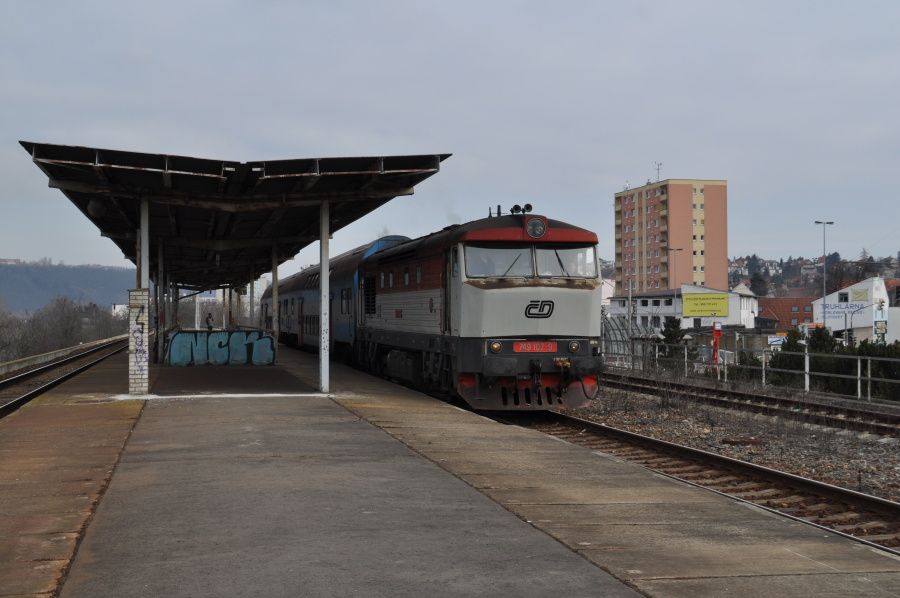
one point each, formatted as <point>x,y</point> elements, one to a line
<point>856,376</point>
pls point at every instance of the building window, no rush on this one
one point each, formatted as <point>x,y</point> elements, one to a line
<point>793,321</point>
<point>807,308</point>
<point>656,303</point>
<point>702,252</point>
<point>843,297</point>
<point>695,268</point>
<point>668,302</point>
<point>418,275</point>
<point>695,237</point>
<point>644,320</point>
<point>381,275</point>
<point>695,222</point>
<point>390,280</point>
<point>644,303</point>
<point>702,237</point>
<point>794,309</point>
<point>654,321</point>
<point>701,206</point>
<point>406,277</point>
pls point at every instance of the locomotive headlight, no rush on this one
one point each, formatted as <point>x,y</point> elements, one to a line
<point>535,228</point>
<point>496,346</point>
<point>574,346</point>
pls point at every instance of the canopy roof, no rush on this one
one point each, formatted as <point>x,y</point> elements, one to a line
<point>217,220</point>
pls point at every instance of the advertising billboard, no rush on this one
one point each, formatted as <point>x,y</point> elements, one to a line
<point>697,305</point>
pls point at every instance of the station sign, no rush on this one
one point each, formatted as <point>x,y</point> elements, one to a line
<point>705,304</point>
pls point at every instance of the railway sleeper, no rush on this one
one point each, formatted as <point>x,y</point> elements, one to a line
<point>840,518</point>
<point>758,495</point>
<point>862,528</point>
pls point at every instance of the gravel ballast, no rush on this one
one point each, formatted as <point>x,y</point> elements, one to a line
<point>854,460</point>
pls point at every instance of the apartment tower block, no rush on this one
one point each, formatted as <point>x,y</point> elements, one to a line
<point>670,233</point>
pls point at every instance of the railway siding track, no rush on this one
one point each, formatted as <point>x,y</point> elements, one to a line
<point>18,389</point>
<point>806,410</point>
<point>863,517</point>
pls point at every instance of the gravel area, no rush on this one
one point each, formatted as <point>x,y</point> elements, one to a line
<point>865,462</point>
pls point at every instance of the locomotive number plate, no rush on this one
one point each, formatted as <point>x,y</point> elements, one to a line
<point>535,347</point>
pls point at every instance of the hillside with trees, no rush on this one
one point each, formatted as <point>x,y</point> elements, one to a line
<point>26,287</point>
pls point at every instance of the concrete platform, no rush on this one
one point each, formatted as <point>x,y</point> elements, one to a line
<point>310,495</point>
<point>275,496</point>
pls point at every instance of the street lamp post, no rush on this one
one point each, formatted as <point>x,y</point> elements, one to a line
<point>672,279</point>
<point>824,224</point>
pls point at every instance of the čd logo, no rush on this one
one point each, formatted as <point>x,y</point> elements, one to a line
<point>539,309</point>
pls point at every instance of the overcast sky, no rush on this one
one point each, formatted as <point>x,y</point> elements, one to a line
<point>558,104</point>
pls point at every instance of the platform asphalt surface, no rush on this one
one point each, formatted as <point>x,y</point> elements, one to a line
<point>282,496</point>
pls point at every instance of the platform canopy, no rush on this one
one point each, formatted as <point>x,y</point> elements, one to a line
<point>216,221</point>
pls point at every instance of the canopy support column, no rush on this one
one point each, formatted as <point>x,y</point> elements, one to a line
<point>324,297</point>
<point>160,303</point>
<point>139,312</point>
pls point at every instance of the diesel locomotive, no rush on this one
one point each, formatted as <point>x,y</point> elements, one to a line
<point>503,312</point>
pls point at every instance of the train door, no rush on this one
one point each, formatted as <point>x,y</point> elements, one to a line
<point>300,324</point>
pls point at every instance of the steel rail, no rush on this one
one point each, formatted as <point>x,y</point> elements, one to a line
<point>816,412</point>
<point>13,404</point>
<point>30,373</point>
<point>867,502</point>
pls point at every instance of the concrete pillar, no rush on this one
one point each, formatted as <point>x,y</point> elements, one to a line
<point>324,297</point>
<point>197,311</point>
<point>276,308</point>
<point>224,309</point>
<point>138,337</point>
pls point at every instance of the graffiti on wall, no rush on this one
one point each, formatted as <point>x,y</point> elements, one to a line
<point>228,347</point>
<point>139,353</point>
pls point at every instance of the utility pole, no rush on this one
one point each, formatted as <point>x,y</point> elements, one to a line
<point>824,224</point>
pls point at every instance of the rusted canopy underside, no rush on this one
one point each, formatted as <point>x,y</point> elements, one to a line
<point>218,220</point>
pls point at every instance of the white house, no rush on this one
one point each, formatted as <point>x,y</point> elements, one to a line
<point>861,307</point>
<point>737,308</point>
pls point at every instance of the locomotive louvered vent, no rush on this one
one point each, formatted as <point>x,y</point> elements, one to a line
<point>369,294</point>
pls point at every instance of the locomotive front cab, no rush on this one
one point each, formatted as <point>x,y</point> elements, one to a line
<point>529,331</point>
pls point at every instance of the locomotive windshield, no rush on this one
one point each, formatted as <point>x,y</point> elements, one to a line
<point>528,261</point>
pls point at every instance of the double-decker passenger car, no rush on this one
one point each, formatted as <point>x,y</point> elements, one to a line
<point>503,311</point>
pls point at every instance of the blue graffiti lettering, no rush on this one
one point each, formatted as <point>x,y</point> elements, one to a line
<point>237,347</point>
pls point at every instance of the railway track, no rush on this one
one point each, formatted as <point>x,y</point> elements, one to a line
<point>18,389</point>
<point>807,410</point>
<point>863,517</point>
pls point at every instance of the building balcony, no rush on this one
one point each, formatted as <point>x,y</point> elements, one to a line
<point>618,236</point>
<point>618,222</point>
<point>618,207</point>
<point>663,228</point>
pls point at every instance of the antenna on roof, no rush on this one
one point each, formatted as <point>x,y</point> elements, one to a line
<point>658,165</point>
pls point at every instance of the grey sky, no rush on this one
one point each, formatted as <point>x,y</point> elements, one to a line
<point>556,104</point>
